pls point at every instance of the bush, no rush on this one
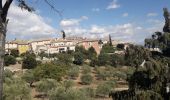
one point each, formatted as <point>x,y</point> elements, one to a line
<point>71,94</point>
<point>86,79</point>
<point>29,77</point>
<point>16,89</point>
<point>86,69</point>
<point>49,70</point>
<point>90,92</point>
<point>78,58</point>
<point>73,72</point>
<point>103,89</point>
<point>9,60</point>
<point>15,53</point>
<point>8,73</point>
<point>46,85</point>
<point>68,84</point>
<point>29,62</point>
<point>103,59</point>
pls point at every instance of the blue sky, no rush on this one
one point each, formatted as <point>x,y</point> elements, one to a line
<point>126,20</point>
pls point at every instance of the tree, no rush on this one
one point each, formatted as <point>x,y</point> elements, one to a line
<point>3,29</point>
<point>9,60</point>
<point>45,85</point>
<point>49,70</point>
<point>64,34</point>
<point>29,77</point>
<point>116,60</point>
<point>103,59</point>
<point>106,48</point>
<point>71,94</point>
<point>91,53</point>
<point>110,40</point>
<point>14,52</point>
<point>78,58</point>
<point>29,62</point>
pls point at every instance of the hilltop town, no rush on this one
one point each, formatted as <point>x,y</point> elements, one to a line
<point>57,45</point>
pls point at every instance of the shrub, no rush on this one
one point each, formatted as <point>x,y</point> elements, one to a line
<point>90,92</point>
<point>8,73</point>
<point>103,59</point>
<point>86,79</point>
<point>78,58</point>
<point>103,89</point>
<point>71,94</point>
<point>29,62</point>
<point>16,89</point>
<point>9,60</point>
<point>86,69</point>
<point>14,53</point>
<point>73,72</point>
<point>68,84</point>
<point>49,70</point>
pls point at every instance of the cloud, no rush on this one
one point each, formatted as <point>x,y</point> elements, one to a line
<point>125,15</point>
<point>152,14</point>
<point>113,5</point>
<point>72,22</point>
<point>25,25</point>
<point>95,9</point>
<point>96,31</point>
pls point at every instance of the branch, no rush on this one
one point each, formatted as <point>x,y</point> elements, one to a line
<point>52,7</point>
<point>5,10</point>
<point>23,5</point>
<point>0,4</point>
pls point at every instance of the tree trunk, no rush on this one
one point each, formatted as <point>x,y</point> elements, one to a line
<point>2,53</point>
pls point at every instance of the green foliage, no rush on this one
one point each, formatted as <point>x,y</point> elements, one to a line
<point>86,79</point>
<point>89,92</point>
<point>86,69</point>
<point>102,74</point>
<point>29,77</point>
<point>16,89</point>
<point>8,74</point>
<point>148,95</point>
<point>104,89</point>
<point>64,58</point>
<point>78,58</point>
<point>71,94</point>
<point>9,60</point>
<point>43,54</point>
<point>107,49</point>
<point>49,70</point>
<point>117,60</point>
<point>15,53</point>
<point>73,72</point>
<point>91,53</point>
<point>135,55</point>
<point>29,62</point>
<point>68,84</point>
<point>103,59</point>
<point>45,85</point>
<point>82,50</point>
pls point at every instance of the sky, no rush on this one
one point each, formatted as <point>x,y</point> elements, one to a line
<point>124,20</point>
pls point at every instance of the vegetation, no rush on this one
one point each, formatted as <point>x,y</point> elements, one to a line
<point>9,60</point>
<point>29,62</point>
<point>86,79</point>
<point>49,70</point>
<point>14,53</point>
